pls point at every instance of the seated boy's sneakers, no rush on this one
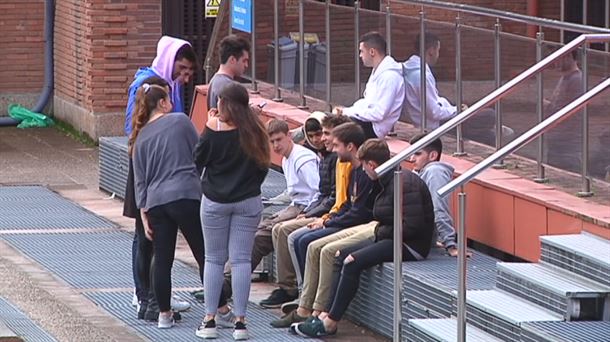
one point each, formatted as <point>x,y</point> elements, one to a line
<point>207,330</point>
<point>313,328</point>
<point>277,298</point>
<point>179,305</point>
<point>287,320</point>
<point>240,333</point>
<point>290,306</point>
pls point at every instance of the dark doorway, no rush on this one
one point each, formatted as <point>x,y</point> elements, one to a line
<point>596,16</point>
<point>185,19</point>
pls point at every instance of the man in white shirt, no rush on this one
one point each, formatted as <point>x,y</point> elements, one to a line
<point>437,108</point>
<point>300,166</point>
<point>380,108</point>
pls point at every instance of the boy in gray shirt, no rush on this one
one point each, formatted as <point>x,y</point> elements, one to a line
<point>234,59</point>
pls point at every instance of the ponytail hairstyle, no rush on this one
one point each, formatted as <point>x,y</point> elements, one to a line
<point>148,96</point>
<point>253,138</point>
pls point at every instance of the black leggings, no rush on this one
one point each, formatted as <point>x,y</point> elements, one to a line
<point>165,220</point>
<point>367,127</point>
<point>366,255</point>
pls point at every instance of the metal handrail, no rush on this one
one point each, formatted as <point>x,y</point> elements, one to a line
<point>492,98</point>
<point>551,23</point>
<point>525,138</point>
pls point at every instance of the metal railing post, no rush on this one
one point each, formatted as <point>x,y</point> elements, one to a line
<point>462,245</point>
<point>498,79</point>
<point>276,52</point>
<point>540,175</point>
<point>422,65</point>
<point>303,104</point>
<point>388,27</point>
<point>397,316</point>
<point>562,16</point>
<point>607,22</point>
<point>328,82</point>
<point>230,4</point>
<point>458,83</point>
<point>585,12</point>
<point>357,45</point>
<point>586,181</point>
<point>253,52</point>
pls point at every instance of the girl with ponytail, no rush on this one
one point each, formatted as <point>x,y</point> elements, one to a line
<point>167,189</point>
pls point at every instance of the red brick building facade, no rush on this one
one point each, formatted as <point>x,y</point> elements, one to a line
<point>100,43</point>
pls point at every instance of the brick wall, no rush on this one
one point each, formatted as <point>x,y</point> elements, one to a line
<point>99,44</point>
<point>21,52</point>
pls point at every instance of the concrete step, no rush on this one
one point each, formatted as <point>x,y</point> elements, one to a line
<point>583,254</point>
<point>566,332</point>
<point>501,314</point>
<point>553,288</point>
<point>443,330</point>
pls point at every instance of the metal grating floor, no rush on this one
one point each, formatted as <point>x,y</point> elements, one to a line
<point>21,324</point>
<point>119,305</point>
<point>566,331</point>
<point>91,260</point>
<point>36,207</point>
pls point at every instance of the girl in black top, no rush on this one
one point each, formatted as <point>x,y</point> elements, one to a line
<point>233,153</point>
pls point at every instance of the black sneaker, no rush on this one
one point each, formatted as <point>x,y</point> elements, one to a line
<point>240,333</point>
<point>277,298</point>
<point>143,306</point>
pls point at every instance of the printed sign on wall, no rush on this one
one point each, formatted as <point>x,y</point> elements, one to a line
<point>211,8</point>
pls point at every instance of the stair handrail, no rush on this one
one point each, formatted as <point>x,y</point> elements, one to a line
<point>525,138</point>
<point>522,18</point>
<point>491,98</point>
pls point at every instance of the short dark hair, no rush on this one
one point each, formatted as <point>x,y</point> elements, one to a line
<point>376,150</point>
<point>277,126</point>
<point>187,52</point>
<point>375,40</point>
<point>431,40</point>
<point>312,125</point>
<point>233,45</point>
<point>349,132</point>
<point>333,120</point>
<point>436,145</point>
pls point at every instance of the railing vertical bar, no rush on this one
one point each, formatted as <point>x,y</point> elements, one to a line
<point>562,16</point>
<point>498,79</point>
<point>388,27</point>
<point>276,51</point>
<point>357,47</point>
<point>458,83</point>
<point>585,12</point>
<point>422,85</point>
<point>303,104</point>
<point>230,4</point>
<point>540,175</point>
<point>328,75</point>
<point>253,52</point>
<point>398,215</point>
<point>607,9</point>
<point>586,181</point>
<point>462,246</point>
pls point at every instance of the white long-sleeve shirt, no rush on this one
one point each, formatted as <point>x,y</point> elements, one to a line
<point>383,97</point>
<point>438,108</point>
<point>301,170</point>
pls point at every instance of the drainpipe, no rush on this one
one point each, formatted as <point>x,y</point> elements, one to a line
<point>47,89</point>
<point>532,10</point>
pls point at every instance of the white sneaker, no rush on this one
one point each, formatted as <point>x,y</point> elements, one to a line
<point>134,299</point>
<point>240,333</point>
<point>207,330</point>
<point>179,305</point>
<point>166,322</point>
<point>225,320</point>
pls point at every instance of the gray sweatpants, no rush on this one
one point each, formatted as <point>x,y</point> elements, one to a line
<point>228,230</point>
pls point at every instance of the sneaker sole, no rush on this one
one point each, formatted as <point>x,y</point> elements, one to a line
<point>270,306</point>
<point>207,336</point>
<point>240,336</point>
<point>289,307</point>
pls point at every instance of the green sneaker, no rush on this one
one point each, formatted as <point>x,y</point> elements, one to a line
<point>287,320</point>
<point>313,328</point>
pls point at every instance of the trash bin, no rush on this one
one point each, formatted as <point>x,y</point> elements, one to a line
<point>319,67</point>
<point>288,58</point>
<point>306,63</point>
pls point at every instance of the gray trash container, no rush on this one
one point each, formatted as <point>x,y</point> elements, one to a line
<point>288,59</point>
<point>319,67</point>
<point>307,63</point>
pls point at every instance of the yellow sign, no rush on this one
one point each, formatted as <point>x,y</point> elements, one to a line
<point>211,8</point>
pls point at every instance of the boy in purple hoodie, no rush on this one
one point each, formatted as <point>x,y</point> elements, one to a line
<point>175,63</point>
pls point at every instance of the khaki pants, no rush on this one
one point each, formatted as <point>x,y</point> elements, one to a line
<point>286,275</point>
<point>319,266</point>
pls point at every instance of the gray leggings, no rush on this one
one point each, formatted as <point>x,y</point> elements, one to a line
<point>228,230</point>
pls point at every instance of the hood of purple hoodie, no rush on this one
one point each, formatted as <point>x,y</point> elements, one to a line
<point>163,64</point>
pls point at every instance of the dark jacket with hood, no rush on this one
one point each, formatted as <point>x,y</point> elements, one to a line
<point>418,212</point>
